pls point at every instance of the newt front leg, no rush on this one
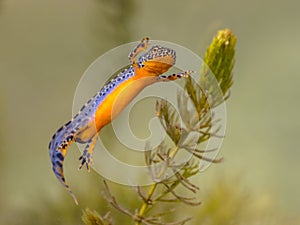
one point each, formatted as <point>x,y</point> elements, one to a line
<point>175,76</point>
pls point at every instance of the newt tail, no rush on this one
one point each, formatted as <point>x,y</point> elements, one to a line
<point>58,152</point>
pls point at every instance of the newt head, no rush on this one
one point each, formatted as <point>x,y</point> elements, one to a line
<point>157,60</point>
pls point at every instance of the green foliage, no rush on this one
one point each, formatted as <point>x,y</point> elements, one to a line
<point>229,202</point>
<point>219,60</point>
<point>93,218</point>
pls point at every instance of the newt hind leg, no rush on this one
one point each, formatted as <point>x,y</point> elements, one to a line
<point>86,157</point>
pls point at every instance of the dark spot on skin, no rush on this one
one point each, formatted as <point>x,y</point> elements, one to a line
<point>60,129</point>
<point>60,156</point>
<point>58,163</point>
<point>82,108</point>
<point>89,101</point>
<point>76,115</point>
<point>68,123</point>
<point>63,179</point>
<point>69,138</point>
<point>83,161</point>
<point>54,135</point>
<point>178,76</point>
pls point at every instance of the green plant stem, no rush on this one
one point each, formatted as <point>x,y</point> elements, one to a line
<point>145,204</point>
<point>151,192</point>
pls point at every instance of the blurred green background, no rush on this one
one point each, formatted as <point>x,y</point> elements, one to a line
<point>45,46</point>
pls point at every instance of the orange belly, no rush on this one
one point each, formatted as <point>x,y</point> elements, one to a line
<point>119,98</point>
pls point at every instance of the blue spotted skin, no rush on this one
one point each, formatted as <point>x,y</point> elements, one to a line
<point>86,124</point>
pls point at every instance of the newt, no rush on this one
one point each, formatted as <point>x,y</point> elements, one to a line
<point>108,103</point>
